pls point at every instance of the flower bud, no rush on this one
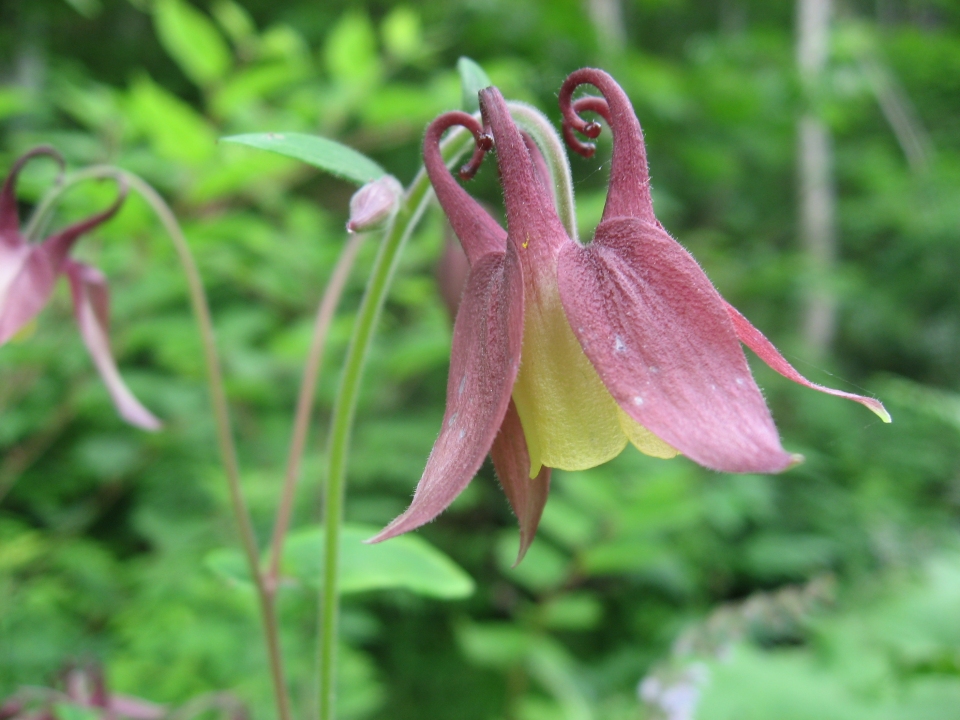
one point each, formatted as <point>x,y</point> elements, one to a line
<point>373,204</point>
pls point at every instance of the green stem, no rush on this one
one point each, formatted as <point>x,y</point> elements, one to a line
<point>308,386</point>
<point>344,410</point>
<point>218,397</point>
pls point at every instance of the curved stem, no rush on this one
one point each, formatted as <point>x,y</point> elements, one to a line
<point>218,398</point>
<point>345,406</point>
<point>308,386</point>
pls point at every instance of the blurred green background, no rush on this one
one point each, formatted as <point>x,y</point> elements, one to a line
<point>832,591</point>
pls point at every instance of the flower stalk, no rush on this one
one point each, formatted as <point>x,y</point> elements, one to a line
<point>218,399</point>
<point>344,411</point>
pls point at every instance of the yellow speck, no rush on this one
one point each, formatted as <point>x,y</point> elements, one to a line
<point>525,243</point>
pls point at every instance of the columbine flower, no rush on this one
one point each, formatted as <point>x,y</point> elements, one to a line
<point>28,272</point>
<point>573,350</point>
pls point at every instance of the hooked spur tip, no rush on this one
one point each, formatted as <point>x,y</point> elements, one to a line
<point>592,130</point>
<point>585,149</point>
<point>795,459</point>
<point>484,142</point>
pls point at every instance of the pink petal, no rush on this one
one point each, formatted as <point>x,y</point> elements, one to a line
<point>91,305</point>
<point>25,287</point>
<point>483,366</point>
<point>479,233</point>
<point>512,462</point>
<point>59,244</point>
<point>660,338</point>
<point>540,168</point>
<point>26,280</point>
<point>533,226</point>
<point>9,218</point>
<point>756,341</point>
<point>629,192</point>
<point>23,294</point>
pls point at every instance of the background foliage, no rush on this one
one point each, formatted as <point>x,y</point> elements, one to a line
<point>829,592</point>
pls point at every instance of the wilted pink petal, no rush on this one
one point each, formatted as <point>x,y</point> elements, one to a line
<point>659,335</point>
<point>765,350</point>
<point>527,495</point>
<point>483,367</point>
<point>91,307</point>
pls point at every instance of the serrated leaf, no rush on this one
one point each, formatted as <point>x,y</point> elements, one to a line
<point>323,153</point>
<point>472,79</point>
<point>192,40</point>
<point>408,562</point>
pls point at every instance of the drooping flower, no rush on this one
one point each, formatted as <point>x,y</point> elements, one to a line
<point>624,339</point>
<point>28,273</point>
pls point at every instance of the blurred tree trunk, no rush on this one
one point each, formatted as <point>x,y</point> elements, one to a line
<point>815,165</point>
<point>607,19</point>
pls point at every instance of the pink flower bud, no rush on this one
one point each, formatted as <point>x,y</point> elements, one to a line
<point>373,204</point>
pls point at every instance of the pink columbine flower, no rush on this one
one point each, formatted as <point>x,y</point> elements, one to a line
<point>563,353</point>
<point>28,272</point>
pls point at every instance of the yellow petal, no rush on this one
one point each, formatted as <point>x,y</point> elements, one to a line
<point>644,440</point>
<point>569,418</point>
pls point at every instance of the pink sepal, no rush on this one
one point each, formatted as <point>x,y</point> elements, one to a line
<point>91,307</point>
<point>765,350</point>
<point>483,367</point>
<point>659,335</point>
<point>527,495</point>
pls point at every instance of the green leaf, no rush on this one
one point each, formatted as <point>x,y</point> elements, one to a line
<point>406,562</point>
<point>473,79</point>
<point>175,130</point>
<point>71,711</point>
<point>320,152</point>
<point>402,34</point>
<point>351,51</point>
<point>228,564</point>
<point>192,40</point>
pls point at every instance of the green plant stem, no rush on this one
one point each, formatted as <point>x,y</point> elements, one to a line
<point>344,410</point>
<point>218,397</point>
<point>308,386</point>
